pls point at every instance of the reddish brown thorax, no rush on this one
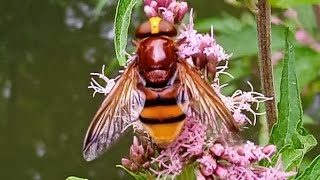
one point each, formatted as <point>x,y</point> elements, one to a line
<point>156,50</point>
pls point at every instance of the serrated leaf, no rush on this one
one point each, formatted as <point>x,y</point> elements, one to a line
<point>307,68</point>
<point>291,3</point>
<point>290,157</point>
<point>312,171</point>
<point>75,178</point>
<point>122,22</point>
<point>288,132</point>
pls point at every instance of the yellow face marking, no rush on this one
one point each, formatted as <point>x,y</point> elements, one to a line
<point>164,134</point>
<point>161,112</point>
<point>155,24</point>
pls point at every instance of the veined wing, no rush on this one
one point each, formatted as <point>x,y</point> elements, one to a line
<point>205,103</point>
<point>113,115</point>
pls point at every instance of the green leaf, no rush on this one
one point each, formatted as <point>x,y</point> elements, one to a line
<point>307,68</point>
<point>232,33</point>
<point>308,65</point>
<point>137,176</point>
<point>187,173</point>
<point>122,22</point>
<point>226,24</point>
<point>291,3</point>
<point>290,157</point>
<point>312,171</point>
<point>233,42</point>
<point>100,5</point>
<point>75,178</point>
<point>307,18</point>
<point>308,120</point>
<point>252,5</point>
<point>288,134</point>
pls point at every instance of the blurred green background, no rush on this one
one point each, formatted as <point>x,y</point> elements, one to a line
<point>49,48</point>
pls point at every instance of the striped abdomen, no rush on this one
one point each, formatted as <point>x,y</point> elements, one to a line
<point>162,116</point>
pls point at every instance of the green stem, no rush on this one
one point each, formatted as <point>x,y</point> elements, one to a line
<point>265,64</point>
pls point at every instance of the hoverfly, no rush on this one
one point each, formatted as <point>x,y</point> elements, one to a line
<point>164,90</point>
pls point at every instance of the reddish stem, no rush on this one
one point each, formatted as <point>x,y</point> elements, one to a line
<point>265,64</point>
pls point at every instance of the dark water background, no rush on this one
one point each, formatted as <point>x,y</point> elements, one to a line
<point>47,51</point>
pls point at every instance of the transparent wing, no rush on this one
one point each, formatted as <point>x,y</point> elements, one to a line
<point>204,102</point>
<point>114,115</point>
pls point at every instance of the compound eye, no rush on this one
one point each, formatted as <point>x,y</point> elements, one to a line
<point>144,30</point>
<point>167,28</point>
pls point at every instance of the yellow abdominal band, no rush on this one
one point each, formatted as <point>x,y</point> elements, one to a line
<point>164,134</point>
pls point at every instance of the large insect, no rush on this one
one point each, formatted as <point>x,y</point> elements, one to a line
<point>162,88</point>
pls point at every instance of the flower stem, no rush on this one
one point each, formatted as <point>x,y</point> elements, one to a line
<point>265,64</point>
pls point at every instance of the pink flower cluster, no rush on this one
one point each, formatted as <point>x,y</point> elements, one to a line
<point>140,156</point>
<point>213,158</point>
<point>241,102</point>
<point>189,144</point>
<point>170,10</point>
<point>195,45</point>
<point>238,162</point>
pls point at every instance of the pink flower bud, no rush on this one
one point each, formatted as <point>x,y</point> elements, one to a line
<point>241,151</point>
<point>217,149</point>
<point>147,2</point>
<point>135,141</point>
<point>150,151</point>
<point>200,176</point>
<point>138,159</point>
<point>134,155</point>
<point>239,117</point>
<point>150,12</point>
<point>205,171</point>
<point>154,4</point>
<point>126,163</point>
<point>276,20</point>
<point>134,167</point>
<point>168,16</point>
<point>182,11</point>
<point>269,149</point>
<point>141,150</point>
<point>133,151</point>
<point>291,13</point>
<point>276,56</point>
<point>172,6</point>
<point>164,3</point>
<point>207,164</point>
<point>303,37</point>
<point>146,165</point>
<point>221,172</point>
